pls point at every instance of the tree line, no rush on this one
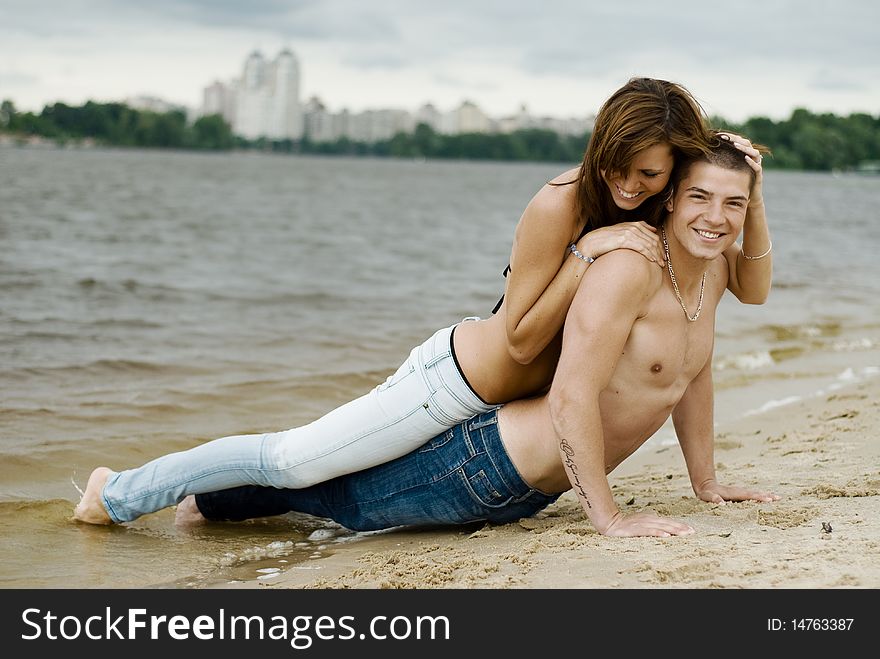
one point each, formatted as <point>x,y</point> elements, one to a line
<point>116,124</point>
<point>806,140</point>
<point>822,142</point>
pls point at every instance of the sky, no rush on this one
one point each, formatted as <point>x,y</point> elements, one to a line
<point>559,58</point>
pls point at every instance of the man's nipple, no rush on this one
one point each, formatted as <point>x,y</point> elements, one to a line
<point>656,368</point>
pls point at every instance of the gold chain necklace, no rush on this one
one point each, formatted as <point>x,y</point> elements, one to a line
<point>675,284</point>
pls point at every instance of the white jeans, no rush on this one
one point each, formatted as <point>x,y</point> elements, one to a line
<point>424,397</point>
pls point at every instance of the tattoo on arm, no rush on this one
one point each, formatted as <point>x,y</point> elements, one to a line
<point>566,448</point>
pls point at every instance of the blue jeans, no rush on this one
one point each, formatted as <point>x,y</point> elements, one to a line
<point>462,475</point>
<point>424,397</point>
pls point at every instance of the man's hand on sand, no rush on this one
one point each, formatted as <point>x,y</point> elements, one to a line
<point>715,492</point>
<point>645,524</point>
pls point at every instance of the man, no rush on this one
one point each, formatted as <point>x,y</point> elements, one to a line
<point>637,347</point>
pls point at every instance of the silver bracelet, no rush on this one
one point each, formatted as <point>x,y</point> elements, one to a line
<point>583,257</point>
<point>760,256</point>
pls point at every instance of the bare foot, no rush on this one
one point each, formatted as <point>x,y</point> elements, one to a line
<point>90,508</point>
<point>188,513</point>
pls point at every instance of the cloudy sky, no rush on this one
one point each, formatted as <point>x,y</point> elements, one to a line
<point>559,57</point>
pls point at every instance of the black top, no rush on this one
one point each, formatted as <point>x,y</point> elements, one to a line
<point>507,269</point>
<point>501,301</point>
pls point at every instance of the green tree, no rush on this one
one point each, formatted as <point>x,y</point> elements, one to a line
<point>7,113</point>
<point>212,132</point>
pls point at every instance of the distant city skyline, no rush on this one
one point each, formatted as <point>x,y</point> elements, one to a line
<point>756,57</point>
<point>263,101</point>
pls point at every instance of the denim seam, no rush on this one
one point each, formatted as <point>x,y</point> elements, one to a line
<point>134,497</point>
<point>388,495</point>
<point>437,358</point>
<point>472,450</point>
<point>355,439</point>
<point>436,412</point>
<point>522,481</point>
<point>144,494</point>
<point>475,403</point>
<point>432,445</point>
<point>523,484</point>
<point>488,483</point>
<point>510,488</point>
<point>476,425</point>
<point>111,512</point>
<point>385,386</point>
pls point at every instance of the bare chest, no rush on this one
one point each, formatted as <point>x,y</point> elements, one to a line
<point>664,348</point>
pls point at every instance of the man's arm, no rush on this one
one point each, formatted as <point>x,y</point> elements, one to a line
<point>607,304</point>
<point>694,423</point>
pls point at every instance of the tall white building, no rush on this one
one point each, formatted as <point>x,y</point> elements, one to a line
<point>285,119</point>
<point>320,125</point>
<point>430,115</point>
<point>376,125</point>
<point>264,102</point>
<point>469,118</point>
<point>219,98</point>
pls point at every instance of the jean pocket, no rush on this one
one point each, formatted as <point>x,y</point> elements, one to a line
<point>482,491</point>
<point>437,412</point>
<point>438,442</point>
<point>406,370</point>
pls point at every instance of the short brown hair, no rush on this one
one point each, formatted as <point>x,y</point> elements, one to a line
<point>722,153</point>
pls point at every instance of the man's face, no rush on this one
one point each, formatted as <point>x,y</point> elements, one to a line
<point>709,208</point>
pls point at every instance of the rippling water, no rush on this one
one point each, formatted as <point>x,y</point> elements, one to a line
<point>153,300</point>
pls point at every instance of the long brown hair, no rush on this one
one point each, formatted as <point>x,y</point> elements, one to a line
<point>642,113</point>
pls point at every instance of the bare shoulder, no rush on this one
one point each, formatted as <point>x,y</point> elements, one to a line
<point>629,263</point>
<point>569,176</point>
<point>553,206</point>
<point>718,273</point>
<point>624,271</point>
<point>717,276</point>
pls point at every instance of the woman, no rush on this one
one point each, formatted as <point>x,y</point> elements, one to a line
<point>471,367</point>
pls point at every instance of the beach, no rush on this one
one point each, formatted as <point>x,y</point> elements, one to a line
<point>154,300</point>
<point>821,455</point>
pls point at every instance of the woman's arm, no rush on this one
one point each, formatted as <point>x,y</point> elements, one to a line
<point>751,265</point>
<point>544,276</point>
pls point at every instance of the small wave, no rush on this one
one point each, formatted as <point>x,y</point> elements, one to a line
<point>40,508</point>
<point>154,292</point>
<point>789,285</point>
<point>845,378</point>
<point>46,335</point>
<point>90,283</point>
<point>26,284</point>
<point>811,331</point>
<point>748,361</point>
<point>853,345</point>
<point>130,323</point>
<point>40,332</point>
<point>847,375</point>
<point>850,376</point>
<point>773,404</point>
<point>781,354</point>
<point>101,367</point>
<point>277,549</point>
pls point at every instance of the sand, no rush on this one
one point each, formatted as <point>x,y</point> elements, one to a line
<point>821,455</point>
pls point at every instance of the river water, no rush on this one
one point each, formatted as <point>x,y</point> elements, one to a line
<point>152,300</point>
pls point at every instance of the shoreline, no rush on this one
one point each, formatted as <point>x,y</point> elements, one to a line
<point>819,454</point>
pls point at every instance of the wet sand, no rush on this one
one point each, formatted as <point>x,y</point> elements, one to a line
<point>820,454</point>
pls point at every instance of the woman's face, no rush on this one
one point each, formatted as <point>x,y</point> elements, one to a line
<point>648,174</point>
